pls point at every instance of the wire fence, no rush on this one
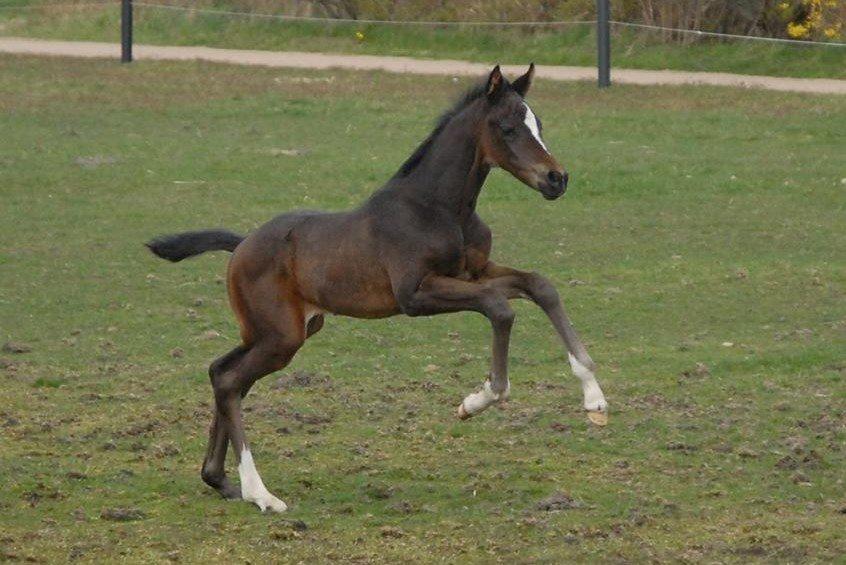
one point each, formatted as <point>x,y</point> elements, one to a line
<point>57,5</point>
<point>726,35</point>
<point>431,23</point>
<point>436,23</point>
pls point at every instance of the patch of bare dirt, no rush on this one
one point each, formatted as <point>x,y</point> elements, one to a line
<point>95,161</point>
<point>300,379</point>
<point>16,347</point>
<point>558,501</point>
<point>122,514</point>
<point>312,419</point>
<point>700,370</point>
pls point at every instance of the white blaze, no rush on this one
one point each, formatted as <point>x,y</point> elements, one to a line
<point>531,122</point>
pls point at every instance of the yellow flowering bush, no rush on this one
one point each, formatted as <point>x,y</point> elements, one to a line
<point>814,19</point>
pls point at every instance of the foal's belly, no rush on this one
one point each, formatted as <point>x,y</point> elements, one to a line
<point>339,271</point>
<point>358,291</point>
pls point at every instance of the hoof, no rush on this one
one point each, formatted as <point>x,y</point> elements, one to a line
<point>598,418</point>
<point>266,501</point>
<point>462,413</point>
<point>223,486</point>
<point>229,491</point>
<point>481,400</point>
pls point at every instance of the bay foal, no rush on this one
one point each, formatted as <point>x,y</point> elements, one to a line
<point>416,247</point>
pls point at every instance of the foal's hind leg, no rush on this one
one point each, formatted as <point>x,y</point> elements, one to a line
<point>537,288</point>
<point>265,357</point>
<point>272,319</point>
<point>213,471</point>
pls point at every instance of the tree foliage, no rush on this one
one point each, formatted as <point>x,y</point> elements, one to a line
<point>797,19</point>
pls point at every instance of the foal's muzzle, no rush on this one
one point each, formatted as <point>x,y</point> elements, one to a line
<point>554,185</point>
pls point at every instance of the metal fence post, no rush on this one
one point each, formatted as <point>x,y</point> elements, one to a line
<point>603,42</point>
<point>126,31</point>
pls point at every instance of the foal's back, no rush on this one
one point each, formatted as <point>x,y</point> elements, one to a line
<point>329,260</point>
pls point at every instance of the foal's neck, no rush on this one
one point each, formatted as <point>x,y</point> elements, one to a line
<point>453,171</point>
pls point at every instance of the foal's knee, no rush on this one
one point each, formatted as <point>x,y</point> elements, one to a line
<point>498,311</point>
<point>542,291</point>
<point>503,316</point>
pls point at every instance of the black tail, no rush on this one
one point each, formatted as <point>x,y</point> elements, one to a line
<point>183,245</point>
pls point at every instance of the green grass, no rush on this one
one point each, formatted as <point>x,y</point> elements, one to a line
<point>569,45</point>
<point>697,217</point>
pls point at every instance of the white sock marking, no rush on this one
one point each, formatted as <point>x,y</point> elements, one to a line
<point>252,487</point>
<point>594,399</point>
<point>531,122</point>
<point>478,401</point>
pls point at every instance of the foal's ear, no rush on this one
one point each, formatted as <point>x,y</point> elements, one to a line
<point>522,84</point>
<point>495,84</point>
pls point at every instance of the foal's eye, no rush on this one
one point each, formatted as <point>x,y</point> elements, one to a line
<point>508,130</point>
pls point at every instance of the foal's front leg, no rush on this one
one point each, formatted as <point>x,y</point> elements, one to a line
<point>521,284</point>
<point>438,295</point>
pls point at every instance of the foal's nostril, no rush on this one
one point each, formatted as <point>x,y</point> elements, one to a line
<point>566,177</point>
<point>556,179</point>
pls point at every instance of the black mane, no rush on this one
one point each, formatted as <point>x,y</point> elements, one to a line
<point>465,100</point>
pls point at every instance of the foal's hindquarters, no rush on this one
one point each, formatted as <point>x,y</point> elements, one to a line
<point>274,324</point>
<point>277,283</point>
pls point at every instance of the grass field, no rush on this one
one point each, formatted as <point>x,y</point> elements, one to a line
<point>702,226</point>
<point>568,45</point>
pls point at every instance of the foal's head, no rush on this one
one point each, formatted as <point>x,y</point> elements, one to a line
<point>511,136</point>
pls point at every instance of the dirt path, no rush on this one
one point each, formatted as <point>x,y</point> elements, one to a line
<point>407,65</point>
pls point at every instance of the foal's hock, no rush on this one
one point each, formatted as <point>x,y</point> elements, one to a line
<point>415,247</point>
